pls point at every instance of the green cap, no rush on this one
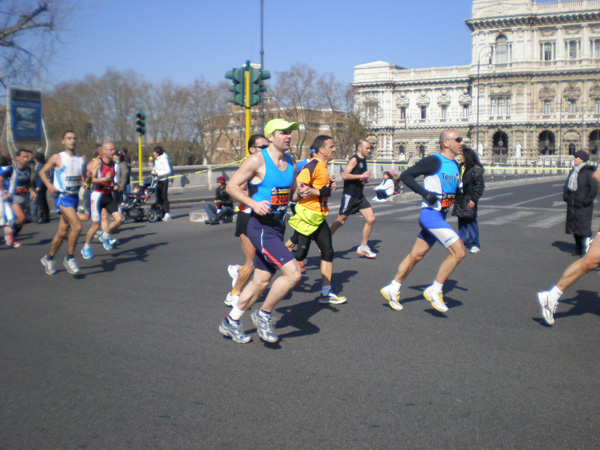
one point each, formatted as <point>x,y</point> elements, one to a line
<point>279,124</point>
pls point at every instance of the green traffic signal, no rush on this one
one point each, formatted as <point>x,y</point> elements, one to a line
<point>256,87</point>
<point>140,123</point>
<point>237,76</point>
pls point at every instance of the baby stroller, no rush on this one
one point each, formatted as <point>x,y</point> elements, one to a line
<point>133,207</point>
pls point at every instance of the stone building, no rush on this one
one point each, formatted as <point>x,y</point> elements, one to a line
<point>531,93</point>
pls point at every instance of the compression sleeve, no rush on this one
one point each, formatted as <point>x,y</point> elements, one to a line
<point>427,166</point>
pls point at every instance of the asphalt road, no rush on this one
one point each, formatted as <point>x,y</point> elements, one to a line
<point>127,355</point>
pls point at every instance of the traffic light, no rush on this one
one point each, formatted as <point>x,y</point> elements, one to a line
<point>140,123</point>
<point>237,76</point>
<point>256,87</point>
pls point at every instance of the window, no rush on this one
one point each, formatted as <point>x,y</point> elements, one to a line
<point>547,107</point>
<point>572,49</point>
<point>547,51</point>
<point>501,49</point>
<point>595,48</point>
<point>444,111</point>
<point>597,106</point>
<point>423,112</point>
<point>572,107</point>
<point>465,111</point>
<point>501,106</point>
<point>403,113</point>
<point>372,112</point>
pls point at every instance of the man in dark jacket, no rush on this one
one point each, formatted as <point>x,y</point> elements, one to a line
<point>579,193</point>
<point>223,207</point>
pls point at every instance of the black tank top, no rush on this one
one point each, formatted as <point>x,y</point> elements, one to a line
<point>355,187</point>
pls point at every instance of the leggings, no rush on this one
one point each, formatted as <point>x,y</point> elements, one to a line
<point>322,236</point>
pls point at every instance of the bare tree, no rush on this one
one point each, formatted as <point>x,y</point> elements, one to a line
<point>295,97</point>
<point>29,32</point>
<point>209,110</point>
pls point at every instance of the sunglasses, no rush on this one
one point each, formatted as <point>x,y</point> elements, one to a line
<point>457,139</point>
<point>262,147</point>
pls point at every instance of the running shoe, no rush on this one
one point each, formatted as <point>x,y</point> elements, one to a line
<point>167,217</point>
<point>436,299</point>
<point>234,271</point>
<point>475,249</point>
<point>15,243</point>
<point>333,299</point>
<point>48,265</point>
<point>86,252</point>
<point>547,307</point>
<point>394,300</point>
<point>302,268</point>
<point>113,241</point>
<point>8,237</point>
<point>232,299</point>
<point>264,327</point>
<point>234,331</point>
<point>105,243</point>
<point>364,250</point>
<point>71,265</point>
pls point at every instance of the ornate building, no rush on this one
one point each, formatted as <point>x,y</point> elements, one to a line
<point>532,89</point>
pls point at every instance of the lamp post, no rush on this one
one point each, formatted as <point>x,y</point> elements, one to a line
<point>491,50</point>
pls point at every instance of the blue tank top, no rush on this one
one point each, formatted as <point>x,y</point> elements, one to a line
<point>276,186</point>
<point>444,183</point>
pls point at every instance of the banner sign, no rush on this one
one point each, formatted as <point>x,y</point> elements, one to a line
<point>25,109</point>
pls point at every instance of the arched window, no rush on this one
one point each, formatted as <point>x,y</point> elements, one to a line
<point>500,140</point>
<point>421,151</point>
<point>546,142</point>
<point>501,49</point>
<point>594,142</point>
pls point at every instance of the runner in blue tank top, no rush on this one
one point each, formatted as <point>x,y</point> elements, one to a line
<point>271,176</point>
<point>441,176</point>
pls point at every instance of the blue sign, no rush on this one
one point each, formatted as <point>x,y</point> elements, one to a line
<point>25,106</point>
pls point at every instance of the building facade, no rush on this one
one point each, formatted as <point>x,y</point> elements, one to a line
<point>531,93</point>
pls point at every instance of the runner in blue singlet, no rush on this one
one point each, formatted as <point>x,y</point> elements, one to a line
<point>441,177</point>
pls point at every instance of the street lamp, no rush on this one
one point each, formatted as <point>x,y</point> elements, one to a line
<point>491,52</point>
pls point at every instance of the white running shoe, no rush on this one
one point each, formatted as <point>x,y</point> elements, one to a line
<point>394,300</point>
<point>232,299</point>
<point>48,265</point>
<point>364,250</point>
<point>333,299</point>
<point>167,217</point>
<point>547,307</point>
<point>475,249</point>
<point>436,299</point>
<point>234,272</point>
<point>71,265</point>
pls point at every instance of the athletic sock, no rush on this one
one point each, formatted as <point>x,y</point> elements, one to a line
<point>555,294</point>
<point>395,285</point>
<point>437,287</point>
<point>263,313</point>
<point>236,313</point>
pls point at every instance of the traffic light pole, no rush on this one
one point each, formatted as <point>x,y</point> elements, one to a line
<point>140,156</point>
<point>247,98</point>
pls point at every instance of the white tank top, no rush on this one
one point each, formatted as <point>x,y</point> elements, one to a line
<point>68,178</point>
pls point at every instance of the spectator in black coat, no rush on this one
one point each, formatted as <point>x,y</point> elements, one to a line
<point>223,207</point>
<point>579,193</point>
<point>465,206</point>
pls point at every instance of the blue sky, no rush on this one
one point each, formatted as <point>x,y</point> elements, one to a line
<point>187,39</point>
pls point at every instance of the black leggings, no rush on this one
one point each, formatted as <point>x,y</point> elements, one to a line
<point>162,195</point>
<point>322,236</point>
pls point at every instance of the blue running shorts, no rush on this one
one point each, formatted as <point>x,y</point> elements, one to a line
<point>271,252</point>
<point>435,228</point>
<point>66,201</point>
